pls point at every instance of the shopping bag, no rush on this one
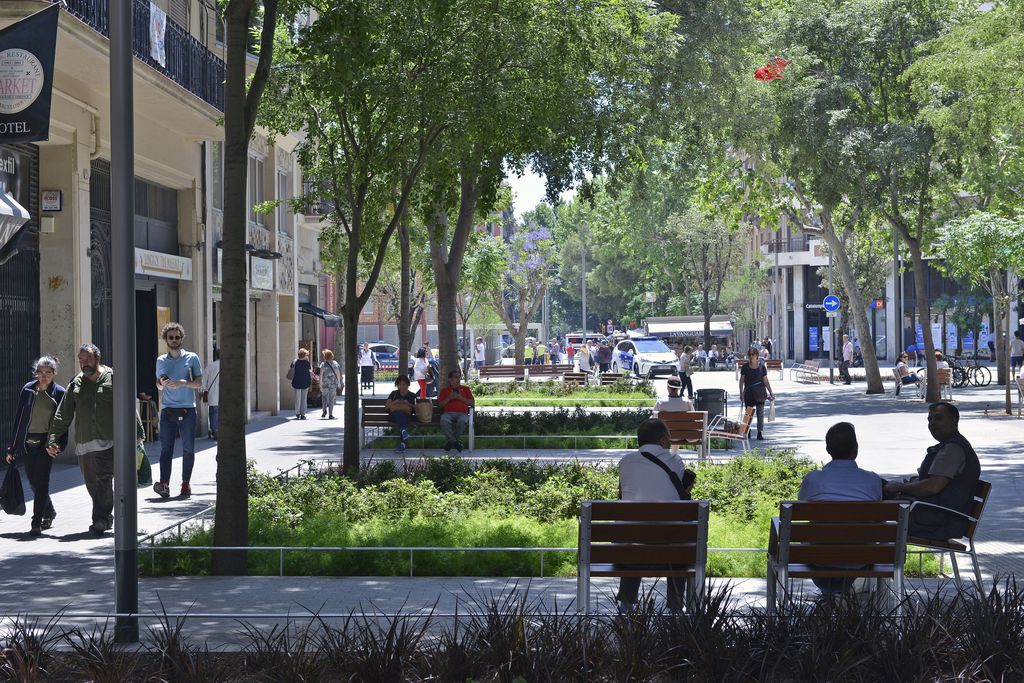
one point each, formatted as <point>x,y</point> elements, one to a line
<point>771,410</point>
<point>144,470</point>
<point>424,412</point>
<point>12,495</point>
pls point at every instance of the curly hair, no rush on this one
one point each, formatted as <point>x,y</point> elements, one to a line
<point>171,327</point>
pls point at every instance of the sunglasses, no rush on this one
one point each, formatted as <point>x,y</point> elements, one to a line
<point>173,337</point>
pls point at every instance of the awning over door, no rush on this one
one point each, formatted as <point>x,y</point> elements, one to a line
<point>719,328</point>
<point>13,219</point>
<point>330,320</point>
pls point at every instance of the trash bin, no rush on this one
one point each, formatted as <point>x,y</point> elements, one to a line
<point>713,401</point>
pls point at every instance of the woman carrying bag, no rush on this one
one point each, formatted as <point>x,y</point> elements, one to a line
<point>755,388</point>
<point>36,407</point>
<point>330,382</point>
<point>302,378</point>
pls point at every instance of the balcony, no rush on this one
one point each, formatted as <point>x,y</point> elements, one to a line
<point>189,63</point>
<point>315,206</point>
<point>796,243</point>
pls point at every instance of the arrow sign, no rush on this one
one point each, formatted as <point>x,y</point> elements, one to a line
<point>830,302</point>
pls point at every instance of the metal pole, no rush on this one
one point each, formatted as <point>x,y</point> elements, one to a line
<point>831,329</point>
<point>583,279</point>
<point>122,218</point>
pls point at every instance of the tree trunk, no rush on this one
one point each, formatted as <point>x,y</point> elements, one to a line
<point>231,522</point>
<point>860,315</point>
<point>404,302</point>
<point>1002,368</point>
<point>353,435</point>
<point>924,317</point>
<point>706,310</point>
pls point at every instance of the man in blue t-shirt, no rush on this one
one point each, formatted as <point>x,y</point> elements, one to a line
<point>179,373</point>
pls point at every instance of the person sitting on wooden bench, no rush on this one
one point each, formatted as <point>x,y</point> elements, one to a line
<point>674,403</point>
<point>948,477</point>
<point>840,480</point>
<point>653,473</point>
<point>906,376</point>
<point>401,406</point>
<point>455,400</point>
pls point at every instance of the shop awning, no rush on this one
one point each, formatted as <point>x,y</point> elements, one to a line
<point>330,320</point>
<point>719,328</point>
<point>13,220</point>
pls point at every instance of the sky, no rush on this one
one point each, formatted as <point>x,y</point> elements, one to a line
<point>528,191</point>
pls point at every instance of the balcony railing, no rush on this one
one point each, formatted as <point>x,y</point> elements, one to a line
<point>796,243</point>
<point>189,63</point>
<point>315,206</point>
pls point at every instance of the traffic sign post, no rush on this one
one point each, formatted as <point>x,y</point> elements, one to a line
<point>830,303</point>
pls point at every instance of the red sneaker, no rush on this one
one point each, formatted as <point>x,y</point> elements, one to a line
<point>186,490</point>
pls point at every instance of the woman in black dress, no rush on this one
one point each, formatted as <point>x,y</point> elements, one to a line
<point>755,388</point>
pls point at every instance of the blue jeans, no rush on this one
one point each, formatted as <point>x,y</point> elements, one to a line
<point>170,428</point>
<point>401,419</point>
<point>214,411</point>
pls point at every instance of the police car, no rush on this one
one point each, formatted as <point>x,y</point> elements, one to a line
<point>644,356</point>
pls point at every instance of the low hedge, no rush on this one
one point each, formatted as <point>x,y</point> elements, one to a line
<point>557,388</point>
<point>448,502</point>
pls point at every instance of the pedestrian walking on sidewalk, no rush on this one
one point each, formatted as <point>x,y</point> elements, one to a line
<point>755,387</point>
<point>89,404</point>
<point>179,374</point>
<point>301,375</point>
<point>844,365</point>
<point>331,382</point>
<point>211,391</point>
<point>37,405</point>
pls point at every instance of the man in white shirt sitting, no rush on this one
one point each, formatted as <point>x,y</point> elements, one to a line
<point>840,480</point>
<point>675,402</point>
<point>641,478</point>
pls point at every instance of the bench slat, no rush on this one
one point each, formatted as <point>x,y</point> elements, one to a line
<point>825,553</point>
<point>875,571</point>
<point>870,512</point>
<point>820,532</point>
<point>639,532</point>
<point>633,511</point>
<point>630,553</point>
<point>607,569</point>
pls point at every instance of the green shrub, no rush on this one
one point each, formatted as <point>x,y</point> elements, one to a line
<point>555,388</point>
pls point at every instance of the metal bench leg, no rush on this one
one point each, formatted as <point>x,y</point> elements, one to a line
<point>942,563</point>
<point>977,569</point>
<point>956,570</point>
<point>772,593</point>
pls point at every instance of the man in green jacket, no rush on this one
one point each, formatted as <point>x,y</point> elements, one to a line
<point>89,403</point>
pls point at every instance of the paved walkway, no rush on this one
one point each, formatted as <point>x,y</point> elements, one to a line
<point>68,567</point>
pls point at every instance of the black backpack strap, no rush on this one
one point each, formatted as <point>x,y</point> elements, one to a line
<point>676,481</point>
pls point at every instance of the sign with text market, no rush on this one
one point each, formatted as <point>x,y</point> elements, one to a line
<point>26,76</point>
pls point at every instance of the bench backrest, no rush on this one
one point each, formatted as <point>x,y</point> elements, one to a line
<point>685,426</point>
<point>640,532</point>
<point>548,369</point>
<point>610,377</point>
<point>831,533</point>
<point>374,412</point>
<point>574,377</point>
<point>748,418</point>
<point>502,371</point>
<point>945,375</point>
<point>980,500</point>
<point>812,364</point>
<point>773,363</point>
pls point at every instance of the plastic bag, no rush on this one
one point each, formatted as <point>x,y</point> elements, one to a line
<point>12,495</point>
<point>771,411</point>
<point>145,470</point>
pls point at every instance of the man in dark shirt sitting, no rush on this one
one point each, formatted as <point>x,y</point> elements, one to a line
<point>948,477</point>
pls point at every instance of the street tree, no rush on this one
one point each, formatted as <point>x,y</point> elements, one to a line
<point>482,273</point>
<point>363,81</point>
<point>529,264</point>
<point>987,250</point>
<point>406,285</point>
<point>242,96</point>
<point>555,87</point>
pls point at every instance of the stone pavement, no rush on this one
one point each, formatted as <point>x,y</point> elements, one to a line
<point>69,568</point>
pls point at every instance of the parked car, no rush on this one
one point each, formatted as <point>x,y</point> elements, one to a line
<point>646,356</point>
<point>386,353</point>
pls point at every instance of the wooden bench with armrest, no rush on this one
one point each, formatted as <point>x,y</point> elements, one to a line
<point>514,372</point>
<point>687,428</point>
<point>945,376</point>
<point>773,364</point>
<point>963,545</point>
<point>376,417</point>
<point>547,370</point>
<point>670,538</point>
<point>579,379</point>
<point>826,540</point>
<point>806,371</point>
<point>607,378</point>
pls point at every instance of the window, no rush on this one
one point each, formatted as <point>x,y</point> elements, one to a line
<point>257,194</point>
<point>284,211</point>
<point>177,10</point>
<point>217,175</point>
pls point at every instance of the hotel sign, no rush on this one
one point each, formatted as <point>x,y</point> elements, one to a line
<point>26,76</point>
<point>159,264</point>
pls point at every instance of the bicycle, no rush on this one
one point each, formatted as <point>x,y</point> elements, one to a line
<point>969,370</point>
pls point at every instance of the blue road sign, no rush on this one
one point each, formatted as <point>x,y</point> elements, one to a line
<point>831,302</point>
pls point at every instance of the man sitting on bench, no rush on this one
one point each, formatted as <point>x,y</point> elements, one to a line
<point>653,473</point>
<point>400,406</point>
<point>455,400</point>
<point>840,480</point>
<point>948,477</point>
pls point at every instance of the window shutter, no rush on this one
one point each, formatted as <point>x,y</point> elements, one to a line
<point>177,10</point>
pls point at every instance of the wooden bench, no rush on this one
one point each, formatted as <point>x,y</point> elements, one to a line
<point>716,430</point>
<point>806,371</point>
<point>687,428</point>
<point>964,545</point>
<point>824,540</point>
<point>945,376</point>
<point>514,372</point>
<point>615,534</point>
<point>776,364</point>
<point>579,379</point>
<point>547,370</point>
<point>376,417</point>
<point>607,378</point>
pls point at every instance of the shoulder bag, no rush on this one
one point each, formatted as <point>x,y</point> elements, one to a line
<point>291,372</point>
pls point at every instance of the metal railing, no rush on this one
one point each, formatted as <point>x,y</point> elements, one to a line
<point>796,243</point>
<point>189,63</point>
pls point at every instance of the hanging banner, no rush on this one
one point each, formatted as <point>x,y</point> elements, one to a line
<point>157,30</point>
<point>26,76</point>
